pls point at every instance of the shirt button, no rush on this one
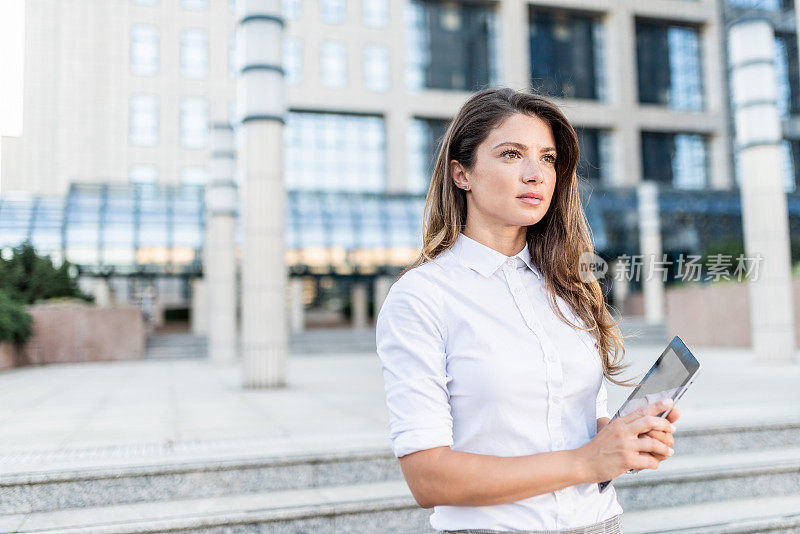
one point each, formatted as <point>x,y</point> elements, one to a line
<point>556,400</point>
<point>517,290</point>
<point>510,261</point>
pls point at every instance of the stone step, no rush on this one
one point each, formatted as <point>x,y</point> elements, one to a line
<point>46,490</point>
<point>760,514</point>
<point>695,478</point>
<point>205,473</point>
<point>354,508</point>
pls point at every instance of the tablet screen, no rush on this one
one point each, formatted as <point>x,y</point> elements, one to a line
<point>669,374</point>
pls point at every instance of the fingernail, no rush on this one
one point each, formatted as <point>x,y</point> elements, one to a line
<point>666,402</point>
<point>671,451</point>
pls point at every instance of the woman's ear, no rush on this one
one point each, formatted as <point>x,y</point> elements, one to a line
<point>457,174</point>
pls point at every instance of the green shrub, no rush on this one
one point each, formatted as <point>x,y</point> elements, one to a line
<point>15,321</point>
<point>28,277</point>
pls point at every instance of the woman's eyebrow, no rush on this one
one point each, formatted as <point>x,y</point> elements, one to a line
<point>523,147</point>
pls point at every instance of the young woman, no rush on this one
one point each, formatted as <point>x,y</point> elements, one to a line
<point>494,349</point>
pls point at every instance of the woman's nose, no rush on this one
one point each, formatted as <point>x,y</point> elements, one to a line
<point>533,172</point>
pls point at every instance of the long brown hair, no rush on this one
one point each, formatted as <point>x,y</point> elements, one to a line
<point>556,242</point>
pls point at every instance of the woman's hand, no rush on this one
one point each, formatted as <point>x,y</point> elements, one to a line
<point>664,437</point>
<point>625,443</point>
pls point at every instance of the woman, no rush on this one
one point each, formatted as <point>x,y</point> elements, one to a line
<point>494,349</point>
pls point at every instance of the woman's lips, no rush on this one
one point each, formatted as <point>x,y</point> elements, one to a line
<point>531,201</point>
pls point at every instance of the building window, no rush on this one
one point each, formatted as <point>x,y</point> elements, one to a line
<point>677,160</point>
<point>375,13</point>
<point>194,175</point>
<point>566,54</point>
<point>144,50</point>
<point>331,11</point>
<point>232,61</point>
<point>232,6</point>
<point>194,5</point>
<point>349,152</point>
<point>668,62</point>
<point>194,53</point>
<point>291,9</point>
<point>143,173</point>
<point>451,46</point>
<point>791,163</point>
<point>194,122</point>
<point>376,68</point>
<point>293,60</point>
<point>788,74</point>
<point>423,138</point>
<point>768,5</point>
<point>333,64</point>
<point>144,120</point>
<point>594,163</point>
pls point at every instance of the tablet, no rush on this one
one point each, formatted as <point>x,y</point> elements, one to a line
<point>670,377</point>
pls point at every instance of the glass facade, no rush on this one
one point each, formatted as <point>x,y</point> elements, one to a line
<point>768,5</point>
<point>377,71</point>
<point>333,64</point>
<point>194,122</point>
<point>144,50</point>
<point>423,139</point>
<point>669,65</point>
<point>194,53</point>
<point>233,62</point>
<point>331,11</point>
<point>293,60</point>
<point>451,45</point>
<point>194,175</point>
<point>594,163</point>
<point>143,120</point>
<point>566,51</point>
<point>788,74</point>
<point>334,151</point>
<point>375,13</point>
<point>674,159</point>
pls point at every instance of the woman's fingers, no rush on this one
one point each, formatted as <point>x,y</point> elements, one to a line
<point>653,446</point>
<point>647,423</point>
<point>674,414</point>
<point>664,437</point>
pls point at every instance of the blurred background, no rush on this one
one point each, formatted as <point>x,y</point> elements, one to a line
<point>164,161</point>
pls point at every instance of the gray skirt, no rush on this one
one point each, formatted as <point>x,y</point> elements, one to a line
<point>609,526</point>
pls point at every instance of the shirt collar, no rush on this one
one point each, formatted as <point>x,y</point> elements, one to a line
<point>485,259</point>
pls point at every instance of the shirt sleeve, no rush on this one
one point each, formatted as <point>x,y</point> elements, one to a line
<point>410,335</point>
<point>602,402</point>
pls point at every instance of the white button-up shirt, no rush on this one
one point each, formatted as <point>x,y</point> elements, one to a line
<point>473,357</point>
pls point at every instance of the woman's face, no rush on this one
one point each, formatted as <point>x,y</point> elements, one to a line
<point>517,158</point>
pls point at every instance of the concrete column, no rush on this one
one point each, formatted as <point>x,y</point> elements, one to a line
<point>220,259</point>
<point>262,107</point>
<point>620,287</point>
<point>516,66</point>
<point>199,304</point>
<point>650,247</point>
<point>381,290</point>
<point>764,214</point>
<point>358,304</point>
<point>297,317</point>
<point>101,291</point>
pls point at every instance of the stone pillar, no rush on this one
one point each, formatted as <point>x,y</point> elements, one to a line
<point>650,247</point>
<point>200,312</point>
<point>620,286</point>
<point>381,290</point>
<point>260,97</point>
<point>220,259</point>
<point>297,317</point>
<point>102,291</point>
<point>358,304</point>
<point>764,214</point>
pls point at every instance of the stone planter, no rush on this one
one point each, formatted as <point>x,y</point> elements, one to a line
<point>67,333</point>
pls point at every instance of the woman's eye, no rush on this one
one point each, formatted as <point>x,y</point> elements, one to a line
<point>552,158</point>
<point>511,152</point>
